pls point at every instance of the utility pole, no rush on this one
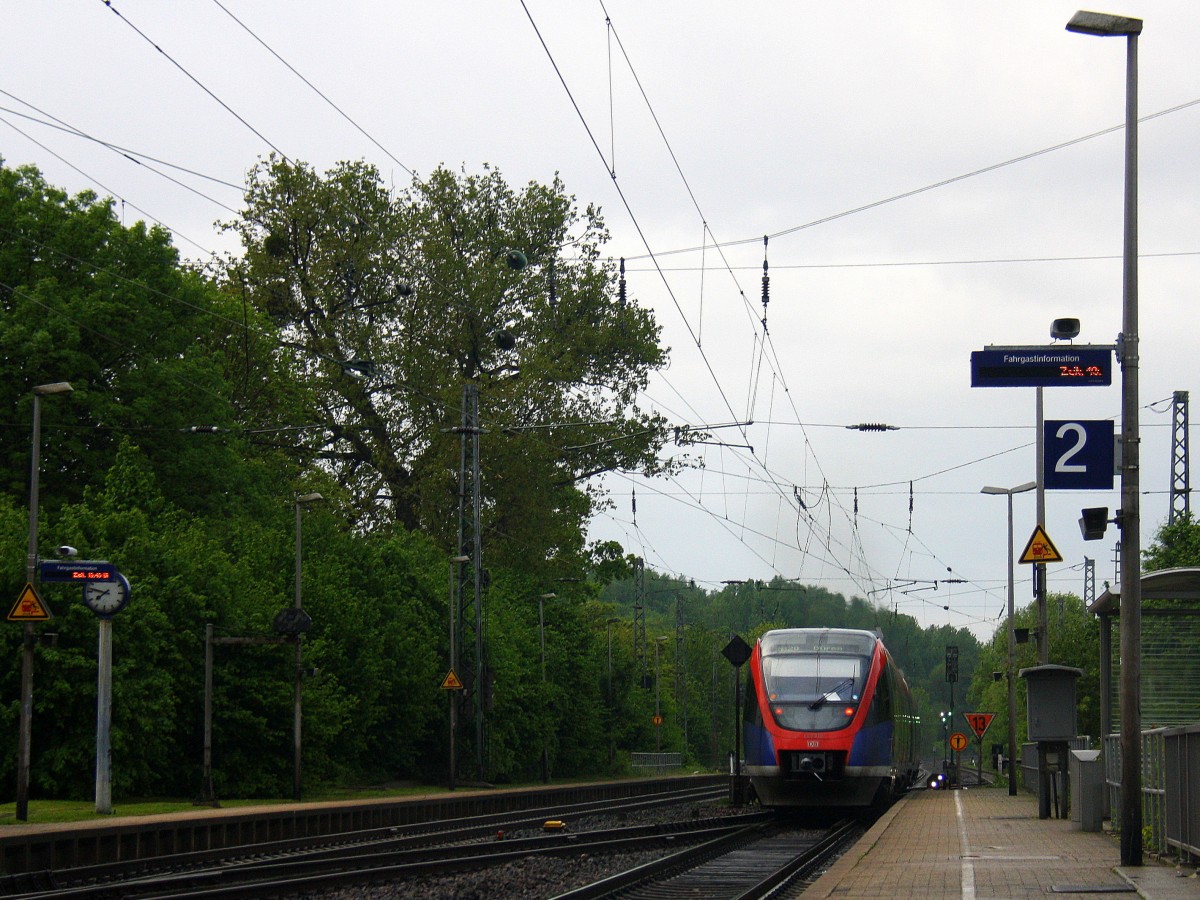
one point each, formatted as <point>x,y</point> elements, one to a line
<point>470,544</point>
<point>1039,569</point>
<point>681,668</point>
<point>639,620</point>
<point>1181,505</point>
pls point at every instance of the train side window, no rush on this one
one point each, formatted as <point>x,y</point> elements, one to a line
<point>751,713</point>
<point>882,704</point>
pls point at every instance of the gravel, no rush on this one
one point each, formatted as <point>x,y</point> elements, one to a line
<point>534,876</point>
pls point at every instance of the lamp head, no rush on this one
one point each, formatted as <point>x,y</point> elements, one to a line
<point>58,387</point>
<point>1064,329</point>
<point>1104,24</point>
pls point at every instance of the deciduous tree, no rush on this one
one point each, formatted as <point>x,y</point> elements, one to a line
<point>457,279</point>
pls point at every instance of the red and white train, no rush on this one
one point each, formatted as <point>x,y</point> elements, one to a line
<point>829,720</point>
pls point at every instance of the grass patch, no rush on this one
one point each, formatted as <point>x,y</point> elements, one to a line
<point>48,812</point>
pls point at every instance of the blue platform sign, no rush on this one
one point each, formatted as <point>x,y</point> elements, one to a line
<point>1078,455</point>
<point>1052,366</point>
<point>79,571</point>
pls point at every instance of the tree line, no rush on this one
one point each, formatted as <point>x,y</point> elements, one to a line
<point>330,356</point>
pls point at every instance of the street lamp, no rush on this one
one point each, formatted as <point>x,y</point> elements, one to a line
<point>945,716</point>
<point>25,730</point>
<point>542,598</point>
<point>1012,635</point>
<point>302,500</point>
<point>1106,25</point>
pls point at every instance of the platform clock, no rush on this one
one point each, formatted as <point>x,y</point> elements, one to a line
<point>107,598</point>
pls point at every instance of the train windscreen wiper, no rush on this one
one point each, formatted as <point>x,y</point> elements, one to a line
<point>820,701</point>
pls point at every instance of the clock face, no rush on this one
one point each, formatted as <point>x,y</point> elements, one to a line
<point>107,598</point>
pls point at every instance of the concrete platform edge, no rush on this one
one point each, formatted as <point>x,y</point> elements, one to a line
<point>832,877</point>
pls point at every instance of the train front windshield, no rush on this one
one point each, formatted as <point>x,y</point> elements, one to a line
<point>815,691</point>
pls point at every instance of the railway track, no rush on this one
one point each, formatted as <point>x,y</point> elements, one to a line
<point>753,862</point>
<point>414,851</point>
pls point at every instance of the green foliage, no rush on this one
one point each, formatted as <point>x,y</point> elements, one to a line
<point>417,284</point>
<point>1176,545</point>
<point>1074,641</point>
<point>204,523</point>
<point>110,310</point>
<point>751,608</point>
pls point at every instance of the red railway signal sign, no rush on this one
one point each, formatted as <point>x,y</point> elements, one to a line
<point>979,722</point>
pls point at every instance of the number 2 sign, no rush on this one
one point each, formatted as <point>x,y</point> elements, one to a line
<point>1078,455</point>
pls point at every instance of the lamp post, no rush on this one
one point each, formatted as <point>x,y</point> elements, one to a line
<point>1012,635</point>
<point>542,598</point>
<point>25,730</point>
<point>945,716</point>
<point>302,500</point>
<point>1106,25</point>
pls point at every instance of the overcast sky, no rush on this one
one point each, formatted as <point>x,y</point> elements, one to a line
<point>936,176</point>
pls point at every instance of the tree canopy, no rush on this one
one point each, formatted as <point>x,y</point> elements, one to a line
<point>388,303</point>
<point>1176,545</point>
<point>151,348</point>
<point>332,357</point>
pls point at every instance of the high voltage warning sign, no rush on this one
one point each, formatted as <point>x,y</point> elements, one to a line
<point>1040,548</point>
<point>29,607</point>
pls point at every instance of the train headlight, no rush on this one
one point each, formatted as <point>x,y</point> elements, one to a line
<point>849,711</point>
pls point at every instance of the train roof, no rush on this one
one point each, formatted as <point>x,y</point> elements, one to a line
<point>819,640</point>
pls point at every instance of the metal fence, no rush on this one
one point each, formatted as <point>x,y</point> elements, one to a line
<point>1181,770</point>
<point>1029,765</point>
<point>1170,767</point>
<point>658,762</point>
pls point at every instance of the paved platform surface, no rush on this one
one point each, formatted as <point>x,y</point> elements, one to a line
<point>984,843</point>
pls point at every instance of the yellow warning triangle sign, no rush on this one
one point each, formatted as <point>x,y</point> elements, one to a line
<point>451,682</point>
<point>29,607</point>
<point>1040,548</point>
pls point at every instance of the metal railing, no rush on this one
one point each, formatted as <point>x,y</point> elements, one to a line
<point>1029,764</point>
<point>1155,786</point>
<point>659,762</point>
<point>1181,770</point>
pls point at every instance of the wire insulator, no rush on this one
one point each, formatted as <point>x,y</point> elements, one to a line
<point>872,426</point>
<point>621,285</point>
<point>766,284</point>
